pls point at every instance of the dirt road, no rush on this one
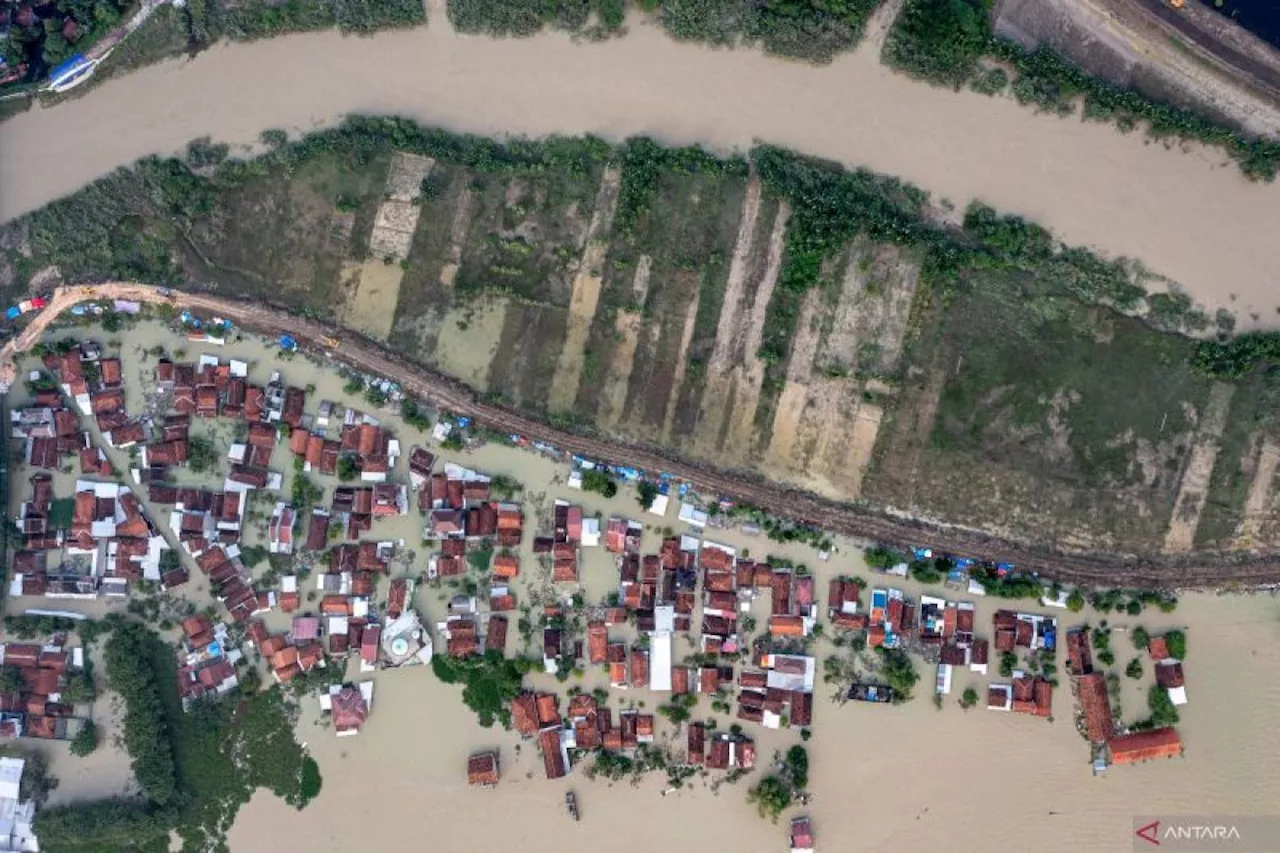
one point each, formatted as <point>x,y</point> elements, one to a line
<point>1184,571</point>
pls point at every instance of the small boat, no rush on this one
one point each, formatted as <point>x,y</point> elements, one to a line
<point>571,803</point>
<point>801,836</point>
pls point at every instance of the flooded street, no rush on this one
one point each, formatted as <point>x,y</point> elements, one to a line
<point>911,777</point>
<point>1186,214</point>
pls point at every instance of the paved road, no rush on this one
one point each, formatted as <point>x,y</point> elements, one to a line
<point>1187,571</point>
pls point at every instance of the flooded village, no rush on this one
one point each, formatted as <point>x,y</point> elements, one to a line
<point>606,646</point>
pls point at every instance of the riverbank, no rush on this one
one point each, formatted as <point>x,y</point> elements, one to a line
<point>1091,185</point>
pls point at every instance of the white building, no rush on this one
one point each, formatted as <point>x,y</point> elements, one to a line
<point>16,816</point>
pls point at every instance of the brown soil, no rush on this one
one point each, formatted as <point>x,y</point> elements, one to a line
<point>1194,488</point>
<point>1257,505</point>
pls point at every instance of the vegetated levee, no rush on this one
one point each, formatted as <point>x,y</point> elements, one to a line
<point>775,328</point>
<point>951,43</point>
<point>815,31</point>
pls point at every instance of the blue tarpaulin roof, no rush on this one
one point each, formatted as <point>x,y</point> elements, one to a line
<point>288,343</point>
<point>69,67</point>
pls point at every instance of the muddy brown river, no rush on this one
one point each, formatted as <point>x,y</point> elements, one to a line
<point>1185,212</point>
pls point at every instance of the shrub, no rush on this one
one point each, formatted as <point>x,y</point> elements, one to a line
<point>647,493</point>
<point>600,482</point>
<point>898,672</point>
<point>798,766</point>
<point>202,456</point>
<point>85,740</point>
<point>1075,601</point>
<point>1163,711</point>
<point>771,797</point>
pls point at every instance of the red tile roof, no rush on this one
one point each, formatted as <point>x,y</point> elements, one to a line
<point>1092,691</point>
<point>482,769</point>
<point>548,710</point>
<point>1142,746</point>
<point>786,626</point>
<point>496,639</point>
<point>553,760</point>
<point>597,642</point>
<point>524,713</point>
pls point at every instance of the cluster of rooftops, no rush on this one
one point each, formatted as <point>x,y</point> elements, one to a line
<point>110,542</point>
<point>38,708</point>
<point>1094,704</point>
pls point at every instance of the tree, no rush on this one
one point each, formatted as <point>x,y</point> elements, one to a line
<point>1008,663</point>
<point>798,766</point>
<point>1163,711</point>
<point>600,482</point>
<point>648,493</point>
<point>348,468</point>
<point>85,740</point>
<point>898,671</point>
<point>130,655</point>
<point>1177,643</point>
<point>201,454</point>
<point>11,680</point>
<point>1075,601</point>
<point>771,797</point>
<point>969,698</point>
<point>1134,669</point>
<point>1141,639</point>
<point>79,689</point>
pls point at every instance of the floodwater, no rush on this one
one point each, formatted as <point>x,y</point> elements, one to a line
<point>911,777</point>
<point>1186,213</point>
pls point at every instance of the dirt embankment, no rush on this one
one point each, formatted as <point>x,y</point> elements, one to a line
<point>1184,571</point>
<point>1191,56</point>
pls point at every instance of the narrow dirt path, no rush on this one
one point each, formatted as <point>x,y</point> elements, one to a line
<point>344,346</point>
<point>1193,491</point>
<point>1257,505</point>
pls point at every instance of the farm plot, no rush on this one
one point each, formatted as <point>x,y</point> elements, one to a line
<point>286,236</point>
<point>1241,496</point>
<point>845,353</point>
<point>1032,415</point>
<point>526,234</point>
<point>638,350</point>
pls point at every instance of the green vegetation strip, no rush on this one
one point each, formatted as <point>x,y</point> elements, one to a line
<point>195,768</point>
<point>950,43</point>
<point>814,30</point>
